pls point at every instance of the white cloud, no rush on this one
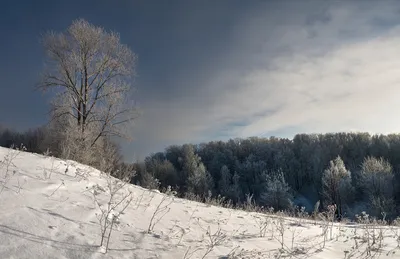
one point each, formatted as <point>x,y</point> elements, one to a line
<point>353,86</point>
<point>333,68</point>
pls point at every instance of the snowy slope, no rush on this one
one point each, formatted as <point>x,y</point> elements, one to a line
<point>48,211</point>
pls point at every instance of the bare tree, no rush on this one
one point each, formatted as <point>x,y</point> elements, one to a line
<point>92,75</point>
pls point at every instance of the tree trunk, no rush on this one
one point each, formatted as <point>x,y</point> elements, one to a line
<point>80,104</point>
<point>84,104</point>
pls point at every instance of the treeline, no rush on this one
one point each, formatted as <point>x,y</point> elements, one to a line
<point>52,140</point>
<point>356,171</point>
<point>32,139</point>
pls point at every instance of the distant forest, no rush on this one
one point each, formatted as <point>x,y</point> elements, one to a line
<point>356,171</point>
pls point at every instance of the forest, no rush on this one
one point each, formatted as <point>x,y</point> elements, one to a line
<point>356,171</point>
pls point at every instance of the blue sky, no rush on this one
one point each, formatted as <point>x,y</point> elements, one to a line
<point>210,70</point>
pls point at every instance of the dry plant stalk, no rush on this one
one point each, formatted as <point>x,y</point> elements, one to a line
<point>47,172</point>
<point>281,228</point>
<point>162,209</point>
<point>213,239</point>
<point>328,219</point>
<point>262,223</point>
<point>117,202</point>
<point>373,235</point>
<point>10,168</point>
<point>210,239</point>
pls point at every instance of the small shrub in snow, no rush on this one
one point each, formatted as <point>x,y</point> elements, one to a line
<point>177,231</point>
<point>211,240</point>
<point>250,205</point>
<point>47,172</point>
<point>373,233</point>
<point>327,218</point>
<point>262,222</point>
<point>395,230</point>
<point>162,209</point>
<point>280,226</point>
<point>295,232</point>
<point>118,199</point>
<point>218,201</point>
<point>10,169</point>
<point>193,197</point>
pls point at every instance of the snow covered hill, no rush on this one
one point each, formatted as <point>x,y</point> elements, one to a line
<point>50,209</point>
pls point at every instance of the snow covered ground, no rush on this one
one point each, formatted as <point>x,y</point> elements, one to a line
<point>48,211</point>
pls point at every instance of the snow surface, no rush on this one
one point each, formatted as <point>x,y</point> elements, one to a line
<point>48,211</point>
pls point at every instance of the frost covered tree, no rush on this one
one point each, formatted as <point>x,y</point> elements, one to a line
<point>378,180</point>
<point>198,180</point>
<point>277,193</point>
<point>336,185</point>
<point>378,174</point>
<point>91,73</point>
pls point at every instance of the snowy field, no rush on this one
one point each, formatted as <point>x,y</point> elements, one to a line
<point>50,209</point>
